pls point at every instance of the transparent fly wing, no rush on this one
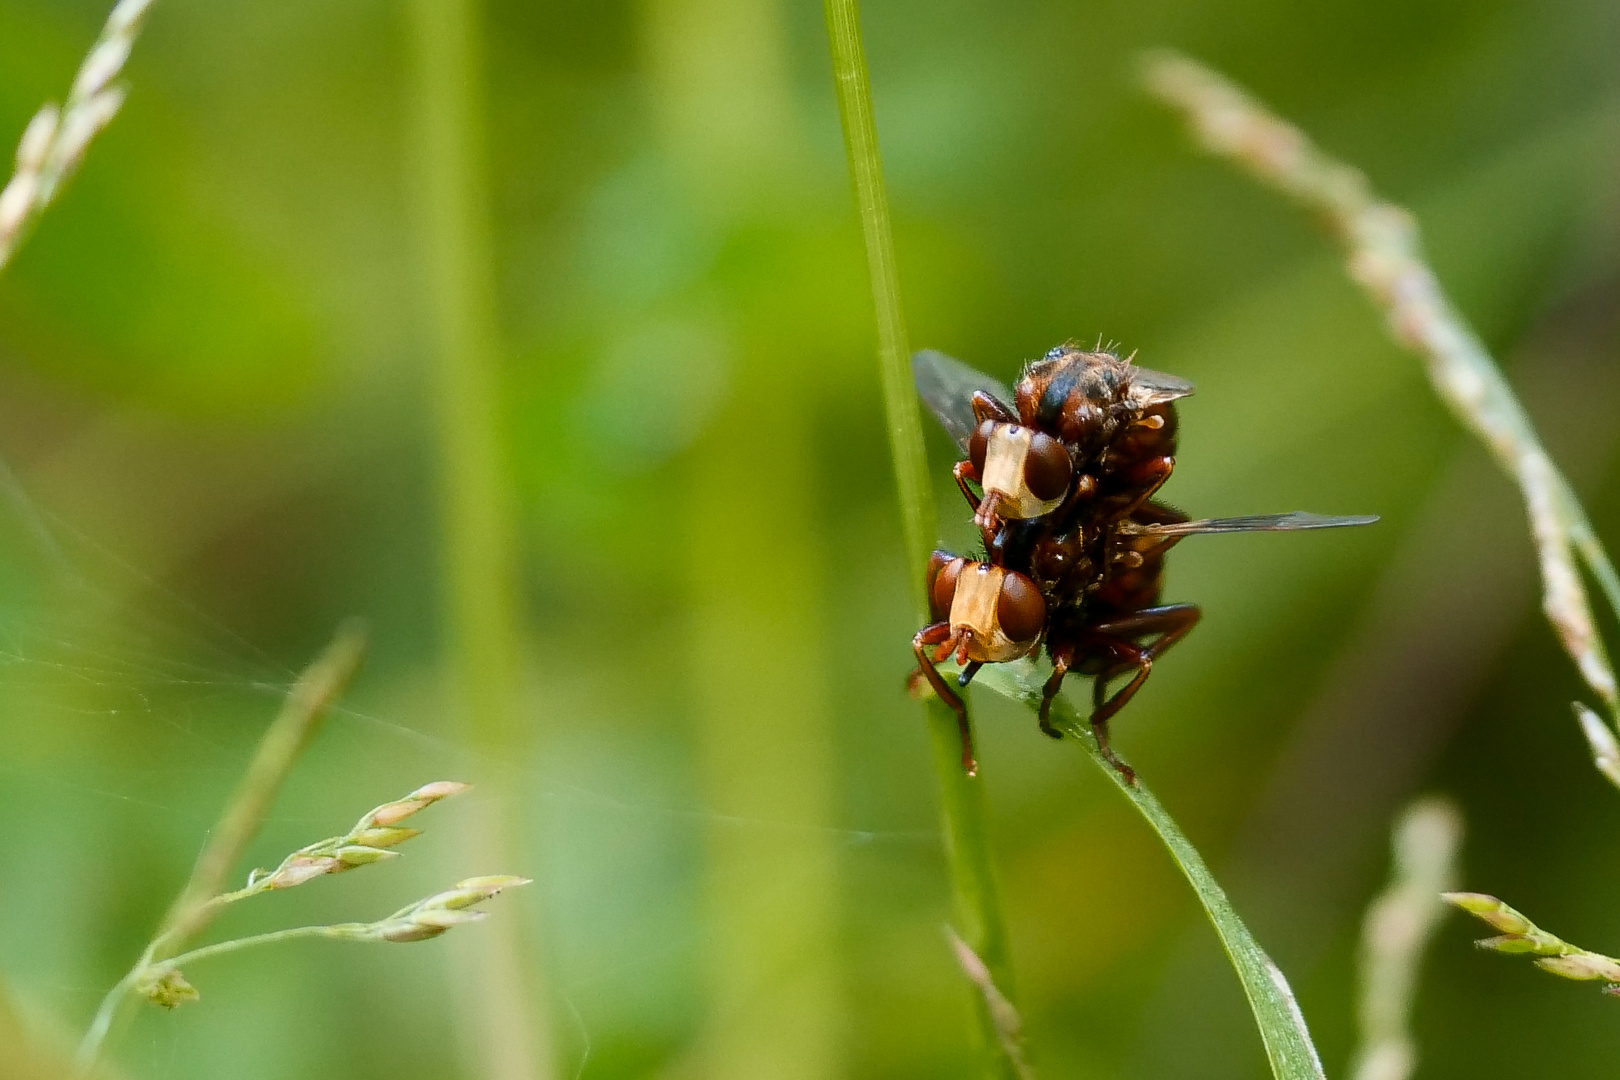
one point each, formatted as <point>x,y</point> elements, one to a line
<point>1254,523</point>
<point>947,386</point>
<point>1149,387</point>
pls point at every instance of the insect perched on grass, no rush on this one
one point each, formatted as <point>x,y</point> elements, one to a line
<point>1066,467</point>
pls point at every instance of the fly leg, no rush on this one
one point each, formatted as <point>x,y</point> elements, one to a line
<point>936,634</point>
<point>984,510</point>
<point>940,634</point>
<point>1149,477</point>
<point>1062,657</point>
<point>986,407</point>
<point>1104,707</point>
<point>1171,623</point>
<point>964,471</point>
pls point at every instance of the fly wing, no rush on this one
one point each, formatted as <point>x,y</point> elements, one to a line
<point>947,385</point>
<point>1254,523</point>
<point>1149,387</point>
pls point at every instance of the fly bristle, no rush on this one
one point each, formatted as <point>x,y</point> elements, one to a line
<point>1102,347</point>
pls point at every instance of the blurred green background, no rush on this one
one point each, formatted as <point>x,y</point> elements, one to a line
<point>220,423</point>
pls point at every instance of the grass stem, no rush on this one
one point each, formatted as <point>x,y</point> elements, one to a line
<point>1385,259</point>
<point>336,931</point>
<point>1397,929</point>
<point>476,514</point>
<point>282,743</point>
<point>502,1027</point>
<point>961,797</point>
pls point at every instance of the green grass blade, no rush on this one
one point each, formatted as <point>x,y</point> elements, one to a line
<point>901,411</point>
<point>504,1025</point>
<point>1282,1026</point>
<point>961,797</point>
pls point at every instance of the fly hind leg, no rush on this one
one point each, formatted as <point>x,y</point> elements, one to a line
<point>938,634</point>
<point>1062,657</point>
<point>1170,623</point>
<point>1104,707</point>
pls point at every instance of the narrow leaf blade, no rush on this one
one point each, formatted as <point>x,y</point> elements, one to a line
<point>1276,1012</point>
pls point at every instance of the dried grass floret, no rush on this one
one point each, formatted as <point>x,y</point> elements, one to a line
<point>54,142</point>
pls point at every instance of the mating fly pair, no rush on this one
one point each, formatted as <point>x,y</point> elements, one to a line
<point>1065,466</point>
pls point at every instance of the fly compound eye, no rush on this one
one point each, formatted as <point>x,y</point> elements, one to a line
<point>942,587</point>
<point>1020,609</point>
<point>1047,468</point>
<point>979,443</point>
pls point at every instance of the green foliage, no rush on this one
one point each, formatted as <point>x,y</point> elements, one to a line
<point>220,420</point>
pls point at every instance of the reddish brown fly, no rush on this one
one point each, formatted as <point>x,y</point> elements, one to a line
<point>1061,473</point>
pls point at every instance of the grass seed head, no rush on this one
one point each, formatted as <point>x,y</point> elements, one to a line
<point>127,16</point>
<point>102,66</point>
<point>392,813</point>
<point>433,915</point>
<point>298,869</point>
<point>168,988</point>
<point>36,139</point>
<point>352,855</point>
<point>384,837</point>
<point>368,842</point>
<point>1490,910</point>
<point>1581,965</point>
<point>16,201</point>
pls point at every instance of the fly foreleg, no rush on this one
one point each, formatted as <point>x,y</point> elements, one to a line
<point>964,471</point>
<point>938,634</point>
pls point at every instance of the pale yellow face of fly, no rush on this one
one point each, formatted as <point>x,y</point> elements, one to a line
<point>1005,453</point>
<point>974,607</point>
